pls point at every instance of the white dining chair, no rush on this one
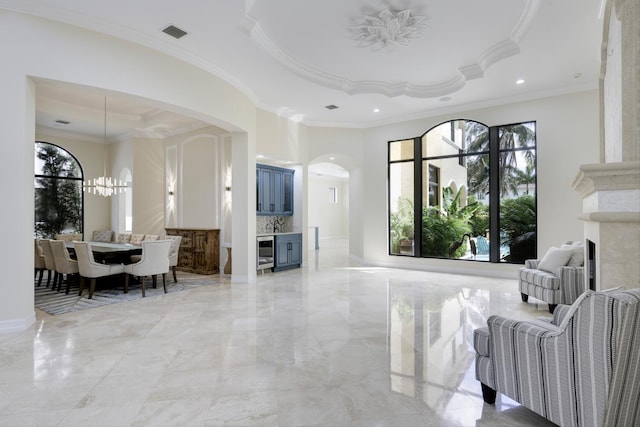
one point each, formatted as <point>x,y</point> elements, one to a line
<point>39,264</point>
<point>49,260</point>
<point>173,254</point>
<point>92,270</point>
<point>154,261</point>
<point>64,264</point>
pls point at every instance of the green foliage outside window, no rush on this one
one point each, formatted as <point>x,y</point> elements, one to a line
<point>58,192</point>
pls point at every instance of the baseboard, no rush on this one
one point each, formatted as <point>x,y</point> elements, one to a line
<point>17,325</point>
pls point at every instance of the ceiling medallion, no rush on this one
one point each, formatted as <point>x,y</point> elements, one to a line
<point>388,29</point>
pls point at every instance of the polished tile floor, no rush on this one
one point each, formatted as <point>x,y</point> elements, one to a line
<point>332,344</point>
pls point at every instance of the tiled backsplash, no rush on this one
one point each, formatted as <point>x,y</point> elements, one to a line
<point>265,224</point>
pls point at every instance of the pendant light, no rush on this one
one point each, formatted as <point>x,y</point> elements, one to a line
<point>104,185</point>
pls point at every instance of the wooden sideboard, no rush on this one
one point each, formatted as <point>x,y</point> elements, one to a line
<point>199,250</point>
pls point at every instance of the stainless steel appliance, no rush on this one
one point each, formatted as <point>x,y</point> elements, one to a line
<point>265,252</point>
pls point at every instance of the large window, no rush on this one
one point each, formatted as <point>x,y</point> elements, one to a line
<point>58,191</point>
<point>464,190</point>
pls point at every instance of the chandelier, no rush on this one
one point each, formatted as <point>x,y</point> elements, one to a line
<point>388,29</point>
<point>104,185</point>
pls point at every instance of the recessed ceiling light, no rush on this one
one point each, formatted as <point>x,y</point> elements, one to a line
<point>519,81</point>
<point>332,158</point>
<point>376,110</point>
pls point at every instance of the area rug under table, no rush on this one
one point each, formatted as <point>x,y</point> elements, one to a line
<point>54,303</point>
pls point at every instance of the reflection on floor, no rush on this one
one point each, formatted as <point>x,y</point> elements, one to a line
<point>331,344</point>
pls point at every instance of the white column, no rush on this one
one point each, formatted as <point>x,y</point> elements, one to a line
<point>17,121</point>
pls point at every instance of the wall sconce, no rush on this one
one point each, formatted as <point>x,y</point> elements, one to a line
<point>170,193</point>
<point>227,188</point>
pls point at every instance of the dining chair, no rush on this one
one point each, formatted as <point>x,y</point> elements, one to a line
<point>173,254</point>
<point>49,261</point>
<point>124,237</point>
<point>68,237</point>
<point>154,261</point>
<point>92,270</point>
<point>136,239</point>
<point>64,264</point>
<point>148,237</point>
<point>39,264</point>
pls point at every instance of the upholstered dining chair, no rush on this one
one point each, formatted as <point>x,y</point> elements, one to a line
<point>136,239</point>
<point>49,260</point>
<point>92,270</point>
<point>579,368</point>
<point>124,238</point>
<point>102,236</point>
<point>39,264</point>
<point>64,264</point>
<point>68,237</point>
<point>154,261</point>
<point>148,237</point>
<point>173,254</point>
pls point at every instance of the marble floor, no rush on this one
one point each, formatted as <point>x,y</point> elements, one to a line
<point>331,344</point>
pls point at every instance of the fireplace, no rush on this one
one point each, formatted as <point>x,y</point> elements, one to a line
<point>611,217</point>
<point>591,265</point>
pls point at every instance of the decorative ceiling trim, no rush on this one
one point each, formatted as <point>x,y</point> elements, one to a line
<point>388,29</point>
<point>490,56</point>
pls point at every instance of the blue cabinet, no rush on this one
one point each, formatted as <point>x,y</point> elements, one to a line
<point>288,251</point>
<point>274,191</point>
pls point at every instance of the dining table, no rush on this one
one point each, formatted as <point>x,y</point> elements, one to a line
<point>110,253</point>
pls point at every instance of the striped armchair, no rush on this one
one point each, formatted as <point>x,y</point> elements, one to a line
<point>562,283</point>
<point>581,368</point>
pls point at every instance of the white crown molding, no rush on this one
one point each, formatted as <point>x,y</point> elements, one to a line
<point>488,57</point>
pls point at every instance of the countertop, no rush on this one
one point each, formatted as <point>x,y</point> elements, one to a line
<point>278,234</point>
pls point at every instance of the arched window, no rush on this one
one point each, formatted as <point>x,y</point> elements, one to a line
<point>464,190</point>
<point>59,202</point>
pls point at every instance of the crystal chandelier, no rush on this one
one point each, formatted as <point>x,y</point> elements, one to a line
<point>104,185</point>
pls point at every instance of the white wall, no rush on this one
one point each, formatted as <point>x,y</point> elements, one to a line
<point>331,218</point>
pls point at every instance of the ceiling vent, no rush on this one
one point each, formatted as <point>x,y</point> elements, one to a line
<point>331,107</point>
<point>174,32</point>
<point>62,122</point>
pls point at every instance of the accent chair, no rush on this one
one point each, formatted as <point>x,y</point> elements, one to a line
<point>557,278</point>
<point>579,368</point>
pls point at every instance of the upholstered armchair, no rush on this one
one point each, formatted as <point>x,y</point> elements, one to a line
<point>154,261</point>
<point>64,264</point>
<point>557,278</point>
<point>92,270</point>
<point>580,368</point>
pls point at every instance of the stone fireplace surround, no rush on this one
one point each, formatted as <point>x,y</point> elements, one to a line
<point>610,189</point>
<point>611,215</point>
